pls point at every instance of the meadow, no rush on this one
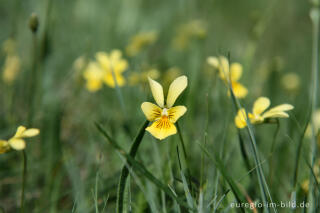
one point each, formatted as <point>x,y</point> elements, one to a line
<point>159,106</point>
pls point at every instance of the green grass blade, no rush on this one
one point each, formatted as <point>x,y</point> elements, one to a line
<point>218,163</point>
<point>140,168</point>
<point>124,173</point>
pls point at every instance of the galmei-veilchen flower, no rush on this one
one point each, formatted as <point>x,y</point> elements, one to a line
<point>164,115</point>
<point>234,72</point>
<point>17,142</point>
<point>259,113</point>
<point>108,69</point>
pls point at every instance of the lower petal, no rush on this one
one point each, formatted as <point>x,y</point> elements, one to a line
<point>162,128</point>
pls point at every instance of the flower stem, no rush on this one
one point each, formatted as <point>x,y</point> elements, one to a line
<point>184,155</point>
<point>315,16</point>
<point>24,179</point>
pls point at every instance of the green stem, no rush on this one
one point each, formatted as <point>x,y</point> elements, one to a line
<point>24,179</point>
<point>125,172</point>
<point>185,156</point>
<point>32,80</point>
<point>315,15</point>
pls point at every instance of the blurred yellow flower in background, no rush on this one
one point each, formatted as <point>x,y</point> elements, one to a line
<point>107,69</point>
<point>140,41</point>
<point>316,171</point>
<point>164,115</point>
<point>94,76</point>
<point>290,82</point>
<point>9,46</point>
<point>80,63</point>
<point>136,78</point>
<point>195,29</point>
<point>11,69</point>
<point>17,142</point>
<point>12,64</point>
<point>234,72</point>
<point>259,113</point>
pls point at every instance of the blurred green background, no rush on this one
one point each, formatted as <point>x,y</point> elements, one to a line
<point>271,39</point>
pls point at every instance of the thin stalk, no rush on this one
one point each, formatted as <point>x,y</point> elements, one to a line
<point>33,79</point>
<point>315,15</point>
<point>184,155</point>
<point>125,172</point>
<point>24,179</point>
<point>261,179</point>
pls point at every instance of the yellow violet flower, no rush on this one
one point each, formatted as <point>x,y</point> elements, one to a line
<point>11,68</point>
<point>17,141</point>
<point>195,29</point>
<point>94,76</point>
<point>112,64</point>
<point>259,113</point>
<point>105,69</point>
<point>164,115</point>
<point>140,41</point>
<point>136,78</point>
<point>234,73</point>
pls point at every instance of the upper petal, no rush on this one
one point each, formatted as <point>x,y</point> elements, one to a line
<point>151,111</point>
<point>176,112</point>
<point>162,128</point>
<point>235,71</point>
<point>104,60</point>
<point>175,89</point>
<point>157,92</point>
<point>260,105</point>
<point>19,131</point>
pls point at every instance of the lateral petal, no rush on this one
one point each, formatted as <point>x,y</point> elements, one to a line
<point>151,111</point>
<point>176,112</point>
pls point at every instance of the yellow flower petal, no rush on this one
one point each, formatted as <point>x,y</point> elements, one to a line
<point>103,60</point>
<point>239,90</point>
<point>4,146</point>
<point>223,68</point>
<point>17,144</point>
<point>120,66</point>
<point>115,55</point>
<point>30,133</point>
<point>278,111</point>
<point>157,92</point>
<point>162,128</point>
<point>275,114</point>
<point>213,61</point>
<point>20,131</point>
<point>175,89</point>
<point>151,111</point>
<point>235,71</point>
<point>109,80</point>
<point>260,105</point>
<point>94,85</point>
<point>240,119</point>
<point>176,112</point>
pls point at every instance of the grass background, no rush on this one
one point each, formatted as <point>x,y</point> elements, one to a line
<point>269,38</point>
